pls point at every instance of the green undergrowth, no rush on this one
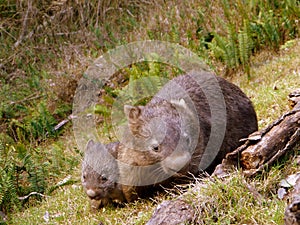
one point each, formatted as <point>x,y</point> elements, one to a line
<point>26,170</point>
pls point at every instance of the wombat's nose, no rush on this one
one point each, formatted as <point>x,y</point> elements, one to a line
<point>91,193</point>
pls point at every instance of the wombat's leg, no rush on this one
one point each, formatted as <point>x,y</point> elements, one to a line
<point>98,204</point>
<point>129,193</point>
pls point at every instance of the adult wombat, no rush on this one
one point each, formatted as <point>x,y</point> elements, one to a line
<point>169,136</point>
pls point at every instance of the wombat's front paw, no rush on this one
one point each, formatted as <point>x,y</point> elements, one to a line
<point>98,204</point>
<point>95,205</point>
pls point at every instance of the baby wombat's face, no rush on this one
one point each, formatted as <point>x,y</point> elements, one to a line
<point>100,172</point>
<point>97,186</point>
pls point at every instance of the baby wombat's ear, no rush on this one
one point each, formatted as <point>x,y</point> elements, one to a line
<point>112,149</point>
<point>89,145</point>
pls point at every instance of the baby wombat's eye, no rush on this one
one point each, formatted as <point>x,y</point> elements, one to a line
<point>103,178</point>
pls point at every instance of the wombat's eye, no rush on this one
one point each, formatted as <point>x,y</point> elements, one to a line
<point>103,178</point>
<point>155,148</point>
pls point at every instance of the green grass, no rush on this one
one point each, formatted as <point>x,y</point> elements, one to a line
<point>271,82</point>
<point>69,205</point>
<point>229,201</point>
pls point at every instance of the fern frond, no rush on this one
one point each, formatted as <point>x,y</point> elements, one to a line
<point>245,44</point>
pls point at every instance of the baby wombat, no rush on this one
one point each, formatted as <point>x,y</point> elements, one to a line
<point>100,174</point>
<point>175,134</point>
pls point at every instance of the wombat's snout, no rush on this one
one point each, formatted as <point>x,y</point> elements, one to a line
<point>94,195</point>
<point>176,161</point>
<point>91,193</point>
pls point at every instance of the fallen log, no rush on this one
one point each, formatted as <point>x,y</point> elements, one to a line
<point>262,148</point>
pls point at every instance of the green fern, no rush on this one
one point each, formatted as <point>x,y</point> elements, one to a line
<point>226,49</point>
<point>35,127</point>
<point>245,46</point>
<point>25,169</point>
<point>8,180</point>
<point>245,27</point>
<point>233,51</point>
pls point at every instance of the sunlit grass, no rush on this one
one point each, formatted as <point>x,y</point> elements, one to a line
<point>230,201</point>
<point>70,205</point>
<point>272,79</point>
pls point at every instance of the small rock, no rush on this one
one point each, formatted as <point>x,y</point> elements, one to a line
<point>171,213</point>
<point>292,211</point>
<point>290,181</point>
<point>46,217</point>
<point>281,193</point>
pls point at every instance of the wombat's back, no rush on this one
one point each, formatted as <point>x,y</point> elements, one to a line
<point>241,118</point>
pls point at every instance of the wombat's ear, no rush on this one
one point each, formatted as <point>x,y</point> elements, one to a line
<point>132,112</point>
<point>183,107</point>
<point>90,144</point>
<point>112,148</point>
<point>180,103</point>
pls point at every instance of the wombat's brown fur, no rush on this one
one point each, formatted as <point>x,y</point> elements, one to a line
<point>159,160</point>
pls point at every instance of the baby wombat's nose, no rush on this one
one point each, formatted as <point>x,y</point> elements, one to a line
<point>91,193</point>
